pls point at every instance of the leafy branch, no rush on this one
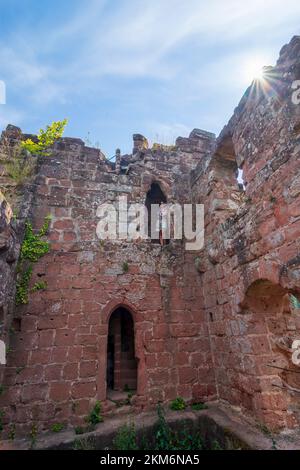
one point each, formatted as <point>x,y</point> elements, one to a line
<point>19,158</point>
<point>45,138</point>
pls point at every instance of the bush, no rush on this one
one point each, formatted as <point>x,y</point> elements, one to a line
<point>84,444</point>
<point>164,437</point>
<point>84,429</point>
<point>187,440</point>
<point>20,167</point>
<point>33,246</point>
<point>95,415</point>
<point>199,406</point>
<point>168,439</point>
<point>126,438</point>
<point>45,138</point>
<point>79,430</point>
<point>57,427</point>
<point>12,432</point>
<point>216,446</point>
<point>33,435</point>
<point>19,160</point>
<point>178,404</point>
<point>125,267</point>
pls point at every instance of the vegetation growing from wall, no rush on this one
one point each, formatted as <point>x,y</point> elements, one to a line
<point>45,138</point>
<point>178,404</point>
<point>199,406</point>
<point>20,158</point>
<point>126,438</point>
<point>84,444</point>
<point>42,285</point>
<point>22,289</point>
<point>163,147</point>
<point>33,248</point>
<point>57,427</point>
<point>20,167</point>
<point>95,416</point>
<point>125,267</point>
<point>12,432</point>
<point>33,435</point>
<point>164,437</point>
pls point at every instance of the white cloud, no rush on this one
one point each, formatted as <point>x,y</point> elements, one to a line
<point>21,67</point>
<point>137,39</point>
<point>27,74</point>
<point>134,38</point>
<point>9,115</point>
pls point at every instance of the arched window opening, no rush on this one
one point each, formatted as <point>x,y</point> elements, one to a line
<point>156,197</point>
<point>230,165</point>
<point>240,179</point>
<point>121,373</point>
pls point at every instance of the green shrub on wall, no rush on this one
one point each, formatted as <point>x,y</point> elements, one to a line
<point>45,138</point>
<point>33,248</point>
<point>178,404</point>
<point>19,161</point>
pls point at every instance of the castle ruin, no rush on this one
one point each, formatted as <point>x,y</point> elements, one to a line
<point>210,325</point>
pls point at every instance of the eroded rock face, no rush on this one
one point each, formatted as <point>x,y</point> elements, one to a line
<point>8,254</point>
<point>5,218</point>
<point>11,233</point>
<point>211,324</point>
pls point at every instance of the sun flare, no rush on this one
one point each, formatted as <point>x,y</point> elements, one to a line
<point>254,69</point>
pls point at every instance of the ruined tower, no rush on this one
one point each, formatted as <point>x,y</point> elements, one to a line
<point>217,324</point>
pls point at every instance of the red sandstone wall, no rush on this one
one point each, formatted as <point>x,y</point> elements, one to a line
<point>251,261</point>
<point>57,363</point>
<point>212,324</point>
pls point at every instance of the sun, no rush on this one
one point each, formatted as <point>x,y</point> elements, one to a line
<point>254,69</point>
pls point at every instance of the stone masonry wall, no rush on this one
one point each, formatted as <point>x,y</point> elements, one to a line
<point>57,361</point>
<point>214,324</point>
<point>251,261</point>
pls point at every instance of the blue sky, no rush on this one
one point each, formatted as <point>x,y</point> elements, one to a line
<point>116,67</point>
